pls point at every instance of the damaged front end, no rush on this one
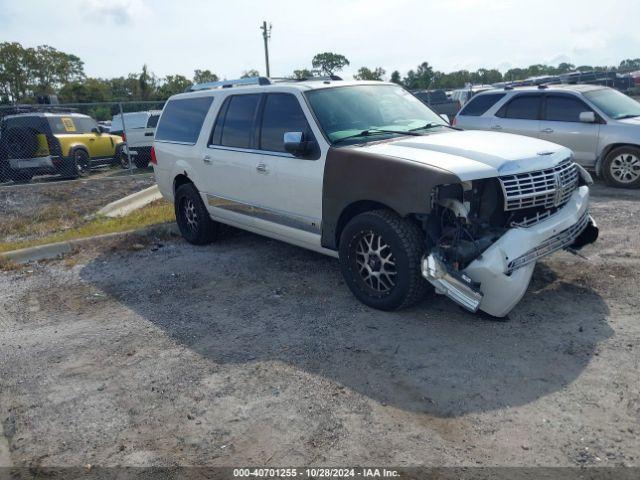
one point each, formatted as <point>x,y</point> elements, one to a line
<point>485,236</point>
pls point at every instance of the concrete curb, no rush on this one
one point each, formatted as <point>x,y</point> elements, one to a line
<point>132,202</point>
<point>5,456</point>
<point>55,250</point>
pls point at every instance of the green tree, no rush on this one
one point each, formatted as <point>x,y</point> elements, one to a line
<point>395,77</point>
<point>204,76</point>
<point>147,84</point>
<point>250,73</point>
<point>629,65</point>
<point>173,84</point>
<point>365,73</point>
<point>329,63</point>
<point>421,78</point>
<point>303,73</point>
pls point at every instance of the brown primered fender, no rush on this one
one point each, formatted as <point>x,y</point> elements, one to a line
<point>352,175</point>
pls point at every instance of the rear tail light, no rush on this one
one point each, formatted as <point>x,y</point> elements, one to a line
<point>124,137</point>
<point>154,160</point>
<point>454,121</point>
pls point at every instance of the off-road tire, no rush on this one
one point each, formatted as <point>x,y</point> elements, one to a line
<point>77,165</point>
<point>608,166</point>
<point>192,216</point>
<point>122,159</point>
<point>406,243</point>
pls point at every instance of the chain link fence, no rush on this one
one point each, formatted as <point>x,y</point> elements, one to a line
<point>60,164</point>
<point>70,141</point>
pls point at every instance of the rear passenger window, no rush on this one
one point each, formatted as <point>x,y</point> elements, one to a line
<point>523,107</point>
<point>153,121</point>
<point>282,113</point>
<point>480,104</point>
<point>564,109</point>
<point>237,124</point>
<point>182,120</point>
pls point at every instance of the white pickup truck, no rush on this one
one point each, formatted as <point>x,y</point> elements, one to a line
<point>365,172</point>
<point>140,129</point>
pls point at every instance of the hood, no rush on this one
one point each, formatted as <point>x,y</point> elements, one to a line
<point>633,121</point>
<point>473,154</point>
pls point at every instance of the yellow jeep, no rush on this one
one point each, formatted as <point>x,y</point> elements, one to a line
<point>40,143</point>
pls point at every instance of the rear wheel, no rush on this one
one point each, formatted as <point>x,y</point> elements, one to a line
<point>621,168</point>
<point>77,165</point>
<point>380,256</point>
<point>122,158</point>
<point>192,216</point>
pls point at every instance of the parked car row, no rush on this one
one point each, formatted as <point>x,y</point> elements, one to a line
<point>70,144</point>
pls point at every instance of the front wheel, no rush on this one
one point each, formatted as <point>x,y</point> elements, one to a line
<point>192,216</point>
<point>621,168</point>
<point>380,256</point>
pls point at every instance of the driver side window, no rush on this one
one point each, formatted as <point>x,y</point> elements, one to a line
<point>282,113</point>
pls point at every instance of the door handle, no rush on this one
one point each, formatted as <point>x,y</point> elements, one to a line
<point>92,139</point>
<point>547,130</point>
<point>148,134</point>
<point>207,159</point>
<point>261,168</point>
<point>496,127</point>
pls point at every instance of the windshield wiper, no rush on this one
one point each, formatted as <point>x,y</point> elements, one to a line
<point>375,131</point>
<point>629,115</point>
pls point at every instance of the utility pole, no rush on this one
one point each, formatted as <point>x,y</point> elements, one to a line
<point>266,34</point>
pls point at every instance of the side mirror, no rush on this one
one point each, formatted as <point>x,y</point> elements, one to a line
<point>296,144</point>
<point>587,117</point>
<point>445,117</point>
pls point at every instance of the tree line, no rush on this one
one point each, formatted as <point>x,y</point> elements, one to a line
<point>26,73</point>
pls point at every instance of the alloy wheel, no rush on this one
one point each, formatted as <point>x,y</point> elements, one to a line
<point>190,214</point>
<point>625,168</point>
<point>376,263</point>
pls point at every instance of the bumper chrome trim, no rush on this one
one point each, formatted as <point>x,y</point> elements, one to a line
<point>553,244</point>
<point>457,289</point>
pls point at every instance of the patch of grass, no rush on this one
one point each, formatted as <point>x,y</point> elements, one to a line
<point>155,213</point>
<point>48,220</point>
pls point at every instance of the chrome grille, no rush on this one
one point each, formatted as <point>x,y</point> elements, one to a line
<point>547,188</point>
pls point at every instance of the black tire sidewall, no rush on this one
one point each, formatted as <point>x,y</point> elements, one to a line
<point>611,181</point>
<point>84,158</point>
<point>205,231</point>
<point>348,240</point>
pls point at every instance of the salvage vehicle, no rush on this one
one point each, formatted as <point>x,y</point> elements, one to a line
<point>599,124</point>
<point>49,143</point>
<point>140,128</point>
<point>365,172</point>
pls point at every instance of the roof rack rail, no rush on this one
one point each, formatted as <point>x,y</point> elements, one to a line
<point>318,78</point>
<point>34,108</point>
<point>229,83</point>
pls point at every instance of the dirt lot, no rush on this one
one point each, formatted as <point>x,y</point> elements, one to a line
<point>253,352</point>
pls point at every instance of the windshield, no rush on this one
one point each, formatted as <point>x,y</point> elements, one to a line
<point>614,103</point>
<point>388,109</point>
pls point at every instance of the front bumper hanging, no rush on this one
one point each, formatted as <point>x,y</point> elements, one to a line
<point>497,280</point>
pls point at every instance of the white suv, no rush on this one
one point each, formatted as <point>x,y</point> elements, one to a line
<point>365,172</point>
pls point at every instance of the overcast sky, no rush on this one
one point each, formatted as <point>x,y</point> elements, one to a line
<point>115,37</point>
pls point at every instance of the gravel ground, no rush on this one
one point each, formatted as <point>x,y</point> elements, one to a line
<point>253,352</point>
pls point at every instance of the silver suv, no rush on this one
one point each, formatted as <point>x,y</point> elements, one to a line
<point>600,124</point>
